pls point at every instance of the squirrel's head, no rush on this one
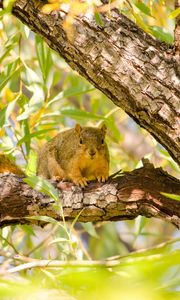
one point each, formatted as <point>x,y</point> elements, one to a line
<point>91,140</point>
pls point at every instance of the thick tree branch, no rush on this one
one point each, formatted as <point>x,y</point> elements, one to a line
<point>122,198</point>
<point>137,72</point>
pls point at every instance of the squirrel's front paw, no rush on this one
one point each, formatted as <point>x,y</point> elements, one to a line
<point>81,181</point>
<point>56,178</point>
<point>102,178</point>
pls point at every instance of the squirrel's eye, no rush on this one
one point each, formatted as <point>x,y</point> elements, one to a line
<point>80,141</point>
<point>102,141</point>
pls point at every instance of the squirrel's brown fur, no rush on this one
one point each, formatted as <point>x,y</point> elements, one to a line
<point>79,154</point>
<point>7,165</point>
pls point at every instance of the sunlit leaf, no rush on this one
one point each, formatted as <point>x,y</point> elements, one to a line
<point>140,223</point>
<point>26,130</point>
<point>174,13</point>
<point>33,134</point>
<point>159,33</point>
<point>43,186</point>
<point>43,218</point>
<point>171,196</point>
<point>6,111</point>
<point>44,57</point>
<point>98,19</point>
<point>7,5</point>
<point>74,91</point>
<point>13,70</point>
<point>59,240</point>
<point>31,76</point>
<point>79,114</point>
<point>5,52</point>
<point>25,30</point>
<point>32,164</point>
<point>29,110</point>
<point>90,229</point>
<point>143,7</point>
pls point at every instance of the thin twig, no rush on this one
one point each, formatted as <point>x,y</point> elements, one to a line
<point>114,174</point>
<point>10,244</point>
<point>85,263</point>
<point>43,241</point>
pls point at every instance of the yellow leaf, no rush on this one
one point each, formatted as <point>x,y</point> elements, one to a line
<point>174,13</point>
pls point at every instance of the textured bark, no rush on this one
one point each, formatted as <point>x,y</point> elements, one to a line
<point>137,72</point>
<point>122,198</point>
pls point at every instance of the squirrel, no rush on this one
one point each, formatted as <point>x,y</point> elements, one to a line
<point>79,154</point>
<point>7,165</point>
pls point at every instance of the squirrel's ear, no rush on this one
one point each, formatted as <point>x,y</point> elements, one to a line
<point>104,129</point>
<point>78,129</point>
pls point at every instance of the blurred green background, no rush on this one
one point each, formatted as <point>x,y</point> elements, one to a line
<point>41,95</point>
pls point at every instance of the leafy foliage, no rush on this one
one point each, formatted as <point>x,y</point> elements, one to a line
<point>155,17</point>
<point>39,96</point>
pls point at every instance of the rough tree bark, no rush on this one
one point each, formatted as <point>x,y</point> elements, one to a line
<point>137,72</point>
<point>121,198</point>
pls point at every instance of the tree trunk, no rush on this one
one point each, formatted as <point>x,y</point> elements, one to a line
<point>137,72</point>
<point>121,198</point>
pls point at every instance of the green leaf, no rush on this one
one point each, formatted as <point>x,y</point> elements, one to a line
<point>29,110</point>
<point>160,34</point>
<point>40,49</point>
<point>5,52</point>
<point>89,227</point>
<point>110,121</point>
<point>144,8</point>
<point>157,249</point>
<point>140,223</point>
<point>44,57</point>
<point>174,13</point>
<point>12,72</point>
<point>32,105</point>
<point>71,92</point>
<point>31,76</point>
<point>26,130</point>
<point>59,240</point>
<point>25,31</point>
<point>48,220</point>
<point>171,196</point>
<point>80,114</point>
<point>43,218</point>
<point>43,186</point>
<point>53,115</point>
<point>98,19</point>
<point>8,46</point>
<point>23,99</point>
<point>76,219</point>
<point>49,275</point>
<point>6,111</point>
<point>34,134</point>
<point>8,4</point>
<point>32,164</point>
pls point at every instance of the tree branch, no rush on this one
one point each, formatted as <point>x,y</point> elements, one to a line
<point>122,198</point>
<point>137,72</point>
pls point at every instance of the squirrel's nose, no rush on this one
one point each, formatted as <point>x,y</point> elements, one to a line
<point>92,152</point>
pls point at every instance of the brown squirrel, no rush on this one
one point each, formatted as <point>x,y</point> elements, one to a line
<point>79,154</point>
<point>7,165</point>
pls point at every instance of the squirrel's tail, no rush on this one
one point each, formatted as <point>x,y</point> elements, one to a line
<point>7,165</point>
